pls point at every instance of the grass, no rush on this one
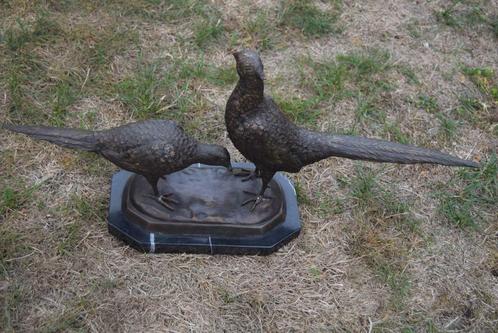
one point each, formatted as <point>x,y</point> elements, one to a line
<point>467,15</point>
<point>300,111</point>
<point>13,246</point>
<point>208,22</point>
<point>261,32</point>
<point>209,29</point>
<point>13,298</point>
<point>151,92</point>
<point>171,11</point>
<point>43,29</point>
<point>394,133</point>
<point>448,127</point>
<point>43,92</point>
<point>367,109</point>
<point>413,27</point>
<point>10,200</point>
<point>398,281</point>
<point>327,80</point>
<point>97,47</point>
<point>327,206</point>
<point>22,67</point>
<point>472,196</point>
<point>13,197</point>
<point>485,80</point>
<point>367,193</point>
<point>494,25</point>
<point>447,17</point>
<point>477,108</point>
<point>82,211</point>
<point>65,95</point>
<point>140,92</point>
<point>69,239</point>
<point>469,109</point>
<point>381,214</point>
<point>86,209</point>
<point>361,76</point>
<point>315,273</point>
<point>427,103</point>
<point>376,249</point>
<point>71,319</point>
<point>357,68</point>
<point>220,76</point>
<point>309,19</point>
<point>13,293</point>
<point>409,73</point>
<point>302,197</point>
<point>106,284</point>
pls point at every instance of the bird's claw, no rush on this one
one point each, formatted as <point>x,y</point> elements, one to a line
<point>249,177</point>
<point>245,174</point>
<point>165,200</point>
<point>238,172</point>
<point>258,195</point>
<point>257,199</point>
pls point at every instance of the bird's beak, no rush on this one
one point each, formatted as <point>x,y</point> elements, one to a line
<point>261,75</point>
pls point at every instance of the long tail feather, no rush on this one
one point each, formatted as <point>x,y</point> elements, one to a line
<point>359,148</point>
<point>66,137</point>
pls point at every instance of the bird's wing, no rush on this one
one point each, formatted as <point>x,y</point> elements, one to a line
<point>148,158</point>
<point>272,136</point>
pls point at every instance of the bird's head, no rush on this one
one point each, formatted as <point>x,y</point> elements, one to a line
<point>214,155</point>
<point>249,65</point>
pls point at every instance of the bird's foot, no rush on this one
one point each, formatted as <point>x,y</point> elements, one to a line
<point>245,174</point>
<point>165,200</point>
<point>257,199</point>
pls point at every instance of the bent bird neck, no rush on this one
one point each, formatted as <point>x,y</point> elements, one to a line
<point>207,154</point>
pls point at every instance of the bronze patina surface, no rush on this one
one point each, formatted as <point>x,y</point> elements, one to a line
<point>208,202</point>
<point>151,148</point>
<point>266,137</point>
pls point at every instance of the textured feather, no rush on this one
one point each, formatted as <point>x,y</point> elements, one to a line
<point>66,137</point>
<point>265,136</point>
<point>152,148</point>
<point>321,145</point>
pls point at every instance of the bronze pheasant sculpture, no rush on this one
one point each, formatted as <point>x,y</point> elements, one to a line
<point>151,148</point>
<point>266,137</point>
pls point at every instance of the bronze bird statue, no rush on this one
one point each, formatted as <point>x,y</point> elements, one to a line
<point>266,137</point>
<point>151,148</point>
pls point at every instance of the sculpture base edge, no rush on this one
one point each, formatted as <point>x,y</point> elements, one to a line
<point>144,240</point>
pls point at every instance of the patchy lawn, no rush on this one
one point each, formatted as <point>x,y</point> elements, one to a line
<point>384,248</point>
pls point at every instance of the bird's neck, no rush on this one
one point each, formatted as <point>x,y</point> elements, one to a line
<point>206,154</point>
<point>252,89</point>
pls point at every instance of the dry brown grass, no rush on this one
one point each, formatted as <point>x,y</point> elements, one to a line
<point>361,263</point>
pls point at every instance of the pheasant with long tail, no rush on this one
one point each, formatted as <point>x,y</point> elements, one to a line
<point>266,137</point>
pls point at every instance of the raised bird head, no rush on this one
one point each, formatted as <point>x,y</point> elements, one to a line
<point>249,65</point>
<point>213,155</point>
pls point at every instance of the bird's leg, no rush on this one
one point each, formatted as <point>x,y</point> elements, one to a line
<point>266,177</point>
<point>166,201</point>
<point>163,199</point>
<point>153,183</point>
<point>248,174</point>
